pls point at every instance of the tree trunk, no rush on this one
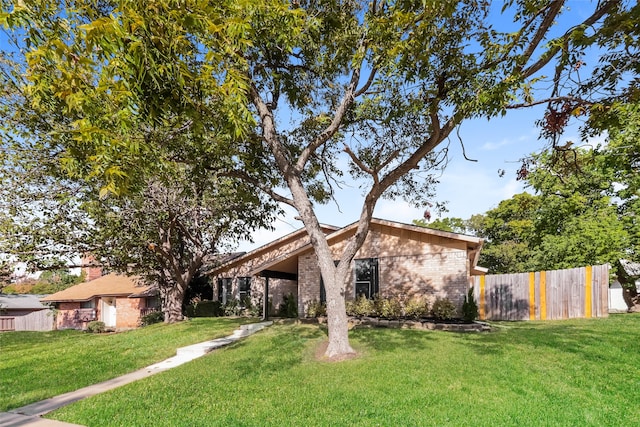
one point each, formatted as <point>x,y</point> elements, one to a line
<point>631,298</point>
<point>337,321</point>
<point>174,297</point>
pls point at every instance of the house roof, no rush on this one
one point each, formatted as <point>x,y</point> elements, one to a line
<point>299,234</point>
<point>21,302</point>
<point>284,261</point>
<point>110,285</point>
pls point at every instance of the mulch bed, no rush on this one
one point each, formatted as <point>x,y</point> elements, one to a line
<point>454,325</point>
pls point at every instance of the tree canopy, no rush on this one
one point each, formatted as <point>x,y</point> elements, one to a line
<point>303,95</point>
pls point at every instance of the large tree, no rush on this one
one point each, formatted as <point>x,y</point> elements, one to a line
<point>164,225</point>
<point>310,86</point>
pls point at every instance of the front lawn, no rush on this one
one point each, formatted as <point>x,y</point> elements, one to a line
<point>38,365</point>
<point>579,372</point>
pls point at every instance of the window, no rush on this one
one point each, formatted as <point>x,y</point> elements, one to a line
<point>244,289</point>
<point>88,304</point>
<point>366,277</point>
<point>153,302</point>
<point>323,291</point>
<point>225,290</point>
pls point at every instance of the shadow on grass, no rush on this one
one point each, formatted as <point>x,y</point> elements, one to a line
<point>591,339</point>
<point>276,349</point>
<point>389,340</point>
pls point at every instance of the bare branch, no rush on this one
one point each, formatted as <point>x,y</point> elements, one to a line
<point>604,8</point>
<point>260,185</point>
<point>360,164</point>
<point>341,111</point>
<point>551,99</point>
<point>547,22</point>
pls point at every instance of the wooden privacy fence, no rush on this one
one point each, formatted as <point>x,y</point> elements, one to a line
<point>544,295</point>
<point>41,320</point>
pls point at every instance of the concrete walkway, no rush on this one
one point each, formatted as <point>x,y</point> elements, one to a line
<point>30,415</point>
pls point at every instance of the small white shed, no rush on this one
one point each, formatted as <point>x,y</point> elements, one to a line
<point>616,301</point>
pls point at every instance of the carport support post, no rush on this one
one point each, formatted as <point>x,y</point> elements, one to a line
<point>265,301</point>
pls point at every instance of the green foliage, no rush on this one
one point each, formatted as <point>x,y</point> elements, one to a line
<point>388,307</point>
<point>469,307</point>
<point>151,318</point>
<point>232,308</point>
<point>288,307</point>
<point>204,309</point>
<point>452,225</point>
<point>278,95</point>
<point>416,308</point>
<point>443,309</point>
<point>96,327</point>
<point>316,308</point>
<point>361,306</point>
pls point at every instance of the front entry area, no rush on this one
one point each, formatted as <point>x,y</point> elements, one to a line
<point>109,311</point>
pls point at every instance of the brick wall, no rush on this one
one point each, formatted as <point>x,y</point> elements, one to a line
<point>409,264</point>
<point>67,318</point>
<point>128,312</point>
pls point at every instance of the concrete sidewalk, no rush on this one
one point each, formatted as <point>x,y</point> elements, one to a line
<point>29,415</point>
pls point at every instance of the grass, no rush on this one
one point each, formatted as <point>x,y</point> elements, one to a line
<point>579,372</point>
<point>38,365</point>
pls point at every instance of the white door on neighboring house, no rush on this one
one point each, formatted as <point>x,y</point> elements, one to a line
<point>109,312</point>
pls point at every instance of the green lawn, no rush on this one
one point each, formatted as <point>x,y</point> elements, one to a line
<point>38,365</point>
<point>580,372</point>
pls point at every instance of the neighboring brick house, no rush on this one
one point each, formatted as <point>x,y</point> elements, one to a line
<point>117,300</point>
<point>395,259</point>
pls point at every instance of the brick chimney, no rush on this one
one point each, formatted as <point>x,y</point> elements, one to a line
<point>90,267</point>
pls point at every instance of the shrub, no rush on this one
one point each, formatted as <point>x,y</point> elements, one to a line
<point>256,308</point>
<point>443,309</point>
<point>289,307</point>
<point>416,308</point>
<point>151,318</point>
<point>361,306</point>
<point>388,308</point>
<point>204,309</point>
<point>469,307</point>
<point>316,308</point>
<point>96,327</point>
<point>232,308</point>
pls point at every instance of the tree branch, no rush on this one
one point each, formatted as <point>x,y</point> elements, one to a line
<point>341,111</point>
<point>605,7</point>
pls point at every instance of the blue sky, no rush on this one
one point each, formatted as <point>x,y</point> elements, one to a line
<point>467,187</point>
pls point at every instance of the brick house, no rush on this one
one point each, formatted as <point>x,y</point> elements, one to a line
<point>395,260</point>
<point>115,299</point>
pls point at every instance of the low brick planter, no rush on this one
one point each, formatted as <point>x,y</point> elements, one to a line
<point>426,324</point>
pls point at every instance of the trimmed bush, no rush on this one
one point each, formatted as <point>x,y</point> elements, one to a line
<point>388,308</point>
<point>469,307</point>
<point>289,307</point>
<point>151,318</point>
<point>96,327</point>
<point>361,306</point>
<point>416,308</point>
<point>443,309</point>
<point>232,308</point>
<point>316,308</point>
<point>204,309</point>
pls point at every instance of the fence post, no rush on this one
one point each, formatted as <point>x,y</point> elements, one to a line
<point>532,296</point>
<point>543,295</point>
<point>588,290</point>
<point>481,313</point>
